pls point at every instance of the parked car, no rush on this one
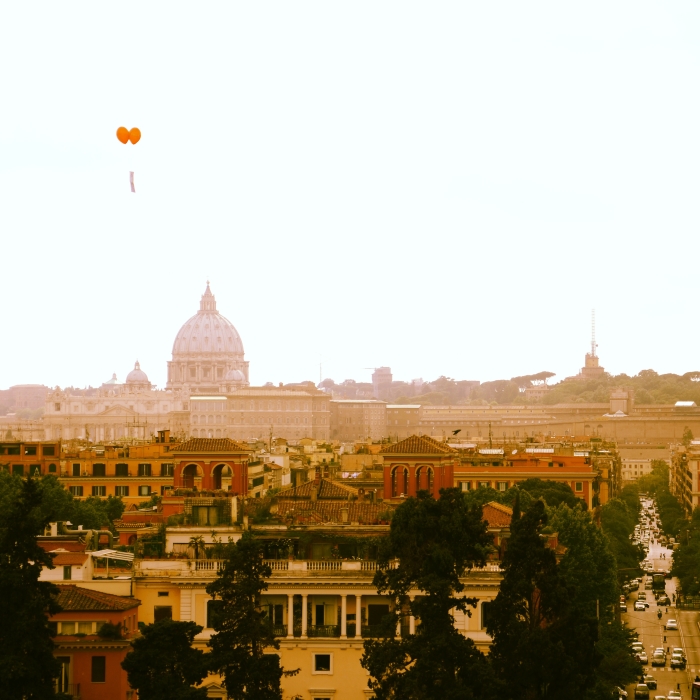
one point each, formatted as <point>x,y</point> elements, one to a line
<point>641,605</point>
<point>674,695</point>
<point>643,658</point>
<point>671,625</point>
<point>637,646</point>
<point>623,607</point>
<point>679,650</point>
<point>650,682</point>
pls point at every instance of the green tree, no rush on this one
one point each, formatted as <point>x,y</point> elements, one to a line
<point>553,492</point>
<point>242,630</point>
<point>618,520</point>
<point>540,649</point>
<point>434,542</point>
<point>162,664</point>
<point>686,558</point>
<point>687,436</point>
<point>27,664</point>
<point>588,570</point>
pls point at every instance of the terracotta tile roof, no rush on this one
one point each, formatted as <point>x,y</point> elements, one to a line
<point>327,489</point>
<point>210,445</point>
<point>329,511</point>
<point>497,515</point>
<point>75,599</point>
<point>69,558</point>
<point>418,445</point>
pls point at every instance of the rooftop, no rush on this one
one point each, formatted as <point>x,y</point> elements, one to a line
<point>419,445</point>
<point>210,445</point>
<point>75,599</point>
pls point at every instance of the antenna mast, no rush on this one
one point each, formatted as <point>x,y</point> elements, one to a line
<point>594,345</point>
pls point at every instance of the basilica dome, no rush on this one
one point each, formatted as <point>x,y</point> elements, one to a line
<point>208,331</point>
<point>137,375</point>
<point>206,352</point>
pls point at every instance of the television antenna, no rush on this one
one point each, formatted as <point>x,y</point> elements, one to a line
<point>594,345</point>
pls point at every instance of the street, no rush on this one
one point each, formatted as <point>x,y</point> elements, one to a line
<point>652,634</point>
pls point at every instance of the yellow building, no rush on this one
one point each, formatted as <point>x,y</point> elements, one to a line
<point>321,608</point>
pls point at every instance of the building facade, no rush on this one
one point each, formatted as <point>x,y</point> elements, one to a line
<point>357,419</point>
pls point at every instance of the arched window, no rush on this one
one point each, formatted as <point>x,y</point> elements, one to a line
<point>394,482</point>
<point>405,481</point>
<point>52,468</point>
<point>430,480</point>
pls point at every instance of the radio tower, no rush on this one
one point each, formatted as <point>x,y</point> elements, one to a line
<point>594,345</point>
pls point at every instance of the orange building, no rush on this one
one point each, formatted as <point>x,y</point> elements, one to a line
<point>212,464</point>
<point>90,663</point>
<point>418,463</point>
<point>489,467</point>
<point>35,458</point>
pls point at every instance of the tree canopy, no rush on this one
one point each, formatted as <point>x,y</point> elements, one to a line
<point>162,664</point>
<point>27,663</point>
<point>430,545</point>
<point>242,630</point>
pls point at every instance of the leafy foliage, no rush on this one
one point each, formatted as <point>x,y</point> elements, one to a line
<point>686,558</point>
<point>618,520</point>
<point>543,643</point>
<point>27,663</point>
<point>434,542</point>
<point>163,665</point>
<point>242,630</point>
<point>671,512</point>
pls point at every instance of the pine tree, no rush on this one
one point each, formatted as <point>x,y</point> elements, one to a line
<point>163,665</point>
<point>27,665</point>
<point>434,542</point>
<point>243,632</point>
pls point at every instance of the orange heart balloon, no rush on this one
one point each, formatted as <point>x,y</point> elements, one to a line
<point>135,135</point>
<point>123,134</point>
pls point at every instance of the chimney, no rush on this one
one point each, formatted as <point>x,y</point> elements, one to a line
<point>317,477</point>
<point>314,492</point>
<point>344,512</point>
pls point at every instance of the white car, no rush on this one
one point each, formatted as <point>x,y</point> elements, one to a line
<point>671,625</point>
<point>674,695</point>
<point>641,605</point>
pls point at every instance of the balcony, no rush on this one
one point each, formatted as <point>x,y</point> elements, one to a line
<point>323,631</point>
<point>292,568</point>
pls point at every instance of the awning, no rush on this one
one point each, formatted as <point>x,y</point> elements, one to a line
<point>112,554</point>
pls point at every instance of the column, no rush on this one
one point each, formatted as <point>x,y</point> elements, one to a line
<point>304,615</point>
<point>290,615</point>
<point>358,617</point>
<point>412,619</point>
<point>343,616</point>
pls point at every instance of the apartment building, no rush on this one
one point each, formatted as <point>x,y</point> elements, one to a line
<point>685,463</point>
<point>637,460</point>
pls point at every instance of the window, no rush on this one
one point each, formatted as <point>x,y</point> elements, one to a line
<point>121,491</point>
<point>485,614</point>
<point>212,610</point>
<point>75,469</point>
<point>163,594</point>
<point>76,490</point>
<point>466,485</point>
<point>99,669</point>
<point>30,450</point>
<point>99,490</point>
<point>579,486</point>
<point>162,612</point>
<point>144,470</point>
<point>68,628</point>
<point>502,485</point>
<point>193,372</point>
<point>67,573</point>
<point>18,469</point>
<point>323,663</point>
<point>35,469</point>
<point>57,407</point>
<point>98,470</point>
<point>167,469</point>
<point>52,468</point>
<point>484,484</point>
<point>49,450</point>
<point>144,490</point>
<point>121,469</point>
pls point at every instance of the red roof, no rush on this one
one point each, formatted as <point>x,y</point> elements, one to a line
<point>68,545</point>
<point>326,489</point>
<point>210,445</point>
<point>497,515</point>
<point>75,599</point>
<point>418,445</point>
<point>329,511</point>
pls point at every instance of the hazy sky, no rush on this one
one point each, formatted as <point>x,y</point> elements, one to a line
<point>440,187</point>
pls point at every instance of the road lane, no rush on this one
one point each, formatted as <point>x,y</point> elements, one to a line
<point>652,633</point>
